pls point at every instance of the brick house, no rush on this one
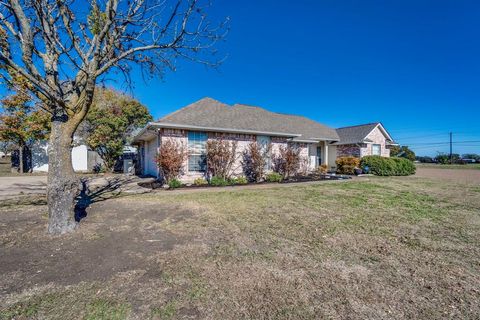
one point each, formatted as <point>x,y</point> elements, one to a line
<point>363,140</point>
<point>208,119</point>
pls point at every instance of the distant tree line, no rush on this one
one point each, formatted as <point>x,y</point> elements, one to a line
<point>444,158</point>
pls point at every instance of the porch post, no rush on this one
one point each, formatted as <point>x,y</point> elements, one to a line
<point>325,153</point>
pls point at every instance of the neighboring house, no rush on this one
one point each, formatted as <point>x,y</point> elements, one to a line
<point>207,119</point>
<point>364,140</point>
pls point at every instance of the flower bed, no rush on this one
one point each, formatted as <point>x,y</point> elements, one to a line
<point>295,179</point>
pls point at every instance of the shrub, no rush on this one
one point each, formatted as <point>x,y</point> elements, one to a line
<point>378,165</point>
<point>322,169</point>
<point>287,161</point>
<point>218,182</point>
<point>241,180</point>
<point>174,183</point>
<point>170,159</point>
<point>405,167</point>
<point>200,182</point>
<point>221,156</point>
<point>274,177</point>
<point>382,166</point>
<point>347,165</point>
<point>254,161</point>
<point>443,158</point>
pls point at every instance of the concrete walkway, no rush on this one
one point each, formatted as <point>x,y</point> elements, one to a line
<point>21,185</point>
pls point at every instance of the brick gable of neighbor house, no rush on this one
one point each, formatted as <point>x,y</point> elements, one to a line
<point>377,137</point>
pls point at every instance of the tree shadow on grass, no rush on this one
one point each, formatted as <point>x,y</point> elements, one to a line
<point>88,195</point>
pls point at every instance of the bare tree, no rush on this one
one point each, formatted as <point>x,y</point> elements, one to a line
<point>64,52</point>
<point>287,161</point>
<point>221,156</point>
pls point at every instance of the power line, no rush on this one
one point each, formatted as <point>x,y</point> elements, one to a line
<point>445,142</point>
<point>451,157</point>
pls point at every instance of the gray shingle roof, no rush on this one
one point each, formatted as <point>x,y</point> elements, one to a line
<point>355,134</point>
<point>211,113</point>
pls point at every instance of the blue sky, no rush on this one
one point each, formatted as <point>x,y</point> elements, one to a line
<point>413,65</point>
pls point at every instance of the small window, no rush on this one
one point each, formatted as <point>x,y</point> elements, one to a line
<point>376,150</point>
<point>197,160</point>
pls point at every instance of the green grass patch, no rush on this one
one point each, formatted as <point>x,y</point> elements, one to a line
<point>106,310</point>
<point>30,309</point>
<point>168,311</point>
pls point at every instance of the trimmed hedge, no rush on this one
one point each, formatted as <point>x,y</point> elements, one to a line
<point>382,166</point>
<point>174,183</point>
<point>347,165</point>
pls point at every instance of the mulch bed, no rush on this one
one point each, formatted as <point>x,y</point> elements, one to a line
<point>296,179</point>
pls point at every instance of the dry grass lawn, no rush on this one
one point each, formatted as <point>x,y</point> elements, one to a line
<point>384,248</point>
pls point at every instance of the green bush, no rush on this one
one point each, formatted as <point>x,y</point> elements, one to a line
<point>232,181</point>
<point>273,177</point>
<point>242,180</point>
<point>174,183</point>
<point>200,182</point>
<point>218,182</point>
<point>382,166</point>
<point>347,165</point>
<point>405,167</point>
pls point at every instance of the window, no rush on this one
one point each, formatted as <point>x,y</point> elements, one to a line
<point>319,156</point>
<point>376,150</point>
<point>197,160</point>
<point>264,142</point>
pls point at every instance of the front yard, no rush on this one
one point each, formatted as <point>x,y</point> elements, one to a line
<point>381,248</point>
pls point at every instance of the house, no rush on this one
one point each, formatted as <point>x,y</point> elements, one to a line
<point>364,140</point>
<point>207,119</point>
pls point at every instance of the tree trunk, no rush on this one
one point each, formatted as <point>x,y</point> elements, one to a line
<point>20,159</point>
<point>63,185</point>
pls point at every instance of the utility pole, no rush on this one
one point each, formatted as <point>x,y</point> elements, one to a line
<point>451,156</point>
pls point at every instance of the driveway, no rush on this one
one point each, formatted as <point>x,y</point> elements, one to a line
<point>22,185</point>
<point>11,187</point>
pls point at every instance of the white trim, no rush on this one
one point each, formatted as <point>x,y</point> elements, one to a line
<point>136,138</point>
<point>384,131</point>
<point>157,125</point>
<point>312,140</point>
<point>303,140</point>
<point>215,129</point>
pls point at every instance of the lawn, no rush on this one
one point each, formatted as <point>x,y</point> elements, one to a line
<point>383,248</point>
<point>470,166</point>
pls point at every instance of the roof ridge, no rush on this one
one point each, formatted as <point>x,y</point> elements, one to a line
<point>360,125</point>
<point>190,105</point>
<point>248,106</point>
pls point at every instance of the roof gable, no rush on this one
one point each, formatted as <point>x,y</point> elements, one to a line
<point>359,133</point>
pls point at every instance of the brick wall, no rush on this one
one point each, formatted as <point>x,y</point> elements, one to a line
<point>377,137</point>
<point>243,140</point>
<point>348,150</point>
